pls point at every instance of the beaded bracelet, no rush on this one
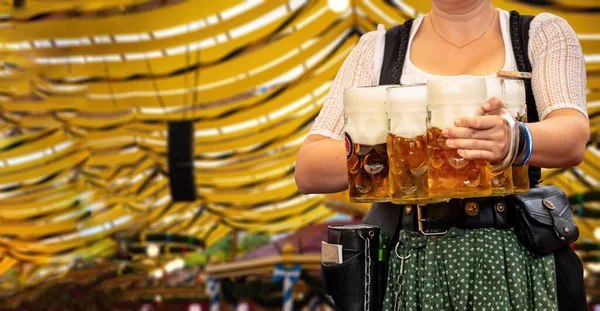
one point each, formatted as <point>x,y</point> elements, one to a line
<point>529,149</point>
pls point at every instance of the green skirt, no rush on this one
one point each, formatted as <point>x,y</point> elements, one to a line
<point>480,269</point>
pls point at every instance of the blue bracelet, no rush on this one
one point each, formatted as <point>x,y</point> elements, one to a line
<point>529,149</point>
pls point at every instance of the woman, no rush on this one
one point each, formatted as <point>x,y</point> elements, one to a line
<point>483,268</point>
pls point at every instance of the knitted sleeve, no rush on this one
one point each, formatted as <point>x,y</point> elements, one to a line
<point>559,75</point>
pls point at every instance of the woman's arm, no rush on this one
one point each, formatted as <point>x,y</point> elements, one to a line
<point>321,162</point>
<point>560,139</point>
<point>321,165</point>
<point>559,87</point>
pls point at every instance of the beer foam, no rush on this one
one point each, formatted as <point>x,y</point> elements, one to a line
<point>511,92</point>
<point>443,116</point>
<point>495,88</point>
<point>407,110</point>
<point>367,129</point>
<point>407,98</point>
<point>515,93</point>
<point>365,114</point>
<point>456,91</point>
<point>452,98</point>
<point>364,99</point>
<point>408,125</point>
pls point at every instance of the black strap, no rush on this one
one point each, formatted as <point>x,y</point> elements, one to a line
<point>519,35</point>
<point>388,216</point>
<point>396,46</point>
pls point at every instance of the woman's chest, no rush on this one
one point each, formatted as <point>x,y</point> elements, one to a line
<point>479,59</point>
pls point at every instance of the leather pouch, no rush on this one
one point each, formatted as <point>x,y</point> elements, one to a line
<point>353,284</point>
<point>544,220</point>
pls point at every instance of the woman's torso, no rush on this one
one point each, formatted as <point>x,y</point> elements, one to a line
<point>424,62</point>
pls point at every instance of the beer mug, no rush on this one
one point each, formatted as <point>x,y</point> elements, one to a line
<point>366,129</point>
<point>450,175</point>
<point>513,95</point>
<point>502,182</point>
<point>407,144</point>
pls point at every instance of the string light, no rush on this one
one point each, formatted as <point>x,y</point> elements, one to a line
<point>597,233</point>
<point>152,250</point>
<point>158,274</point>
<point>174,265</point>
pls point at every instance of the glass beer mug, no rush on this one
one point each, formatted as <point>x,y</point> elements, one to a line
<point>512,93</point>
<point>450,175</point>
<point>407,144</point>
<point>366,129</point>
<point>514,98</point>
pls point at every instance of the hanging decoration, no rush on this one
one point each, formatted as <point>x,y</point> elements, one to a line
<point>212,290</point>
<point>290,276</point>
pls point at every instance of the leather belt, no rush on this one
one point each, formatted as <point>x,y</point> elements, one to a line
<point>436,219</point>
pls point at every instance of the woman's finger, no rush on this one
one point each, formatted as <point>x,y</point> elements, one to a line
<point>493,104</point>
<point>474,144</point>
<point>477,154</point>
<point>480,123</point>
<point>469,133</point>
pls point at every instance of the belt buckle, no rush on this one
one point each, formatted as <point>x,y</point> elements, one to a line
<point>421,220</point>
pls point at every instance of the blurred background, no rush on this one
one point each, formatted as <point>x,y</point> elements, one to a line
<point>147,149</point>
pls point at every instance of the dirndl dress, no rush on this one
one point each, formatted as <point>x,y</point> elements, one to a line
<point>469,269</point>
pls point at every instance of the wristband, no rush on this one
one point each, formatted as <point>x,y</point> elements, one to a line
<point>529,149</point>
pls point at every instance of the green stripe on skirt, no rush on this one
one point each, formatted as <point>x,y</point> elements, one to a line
<point>478,269</point>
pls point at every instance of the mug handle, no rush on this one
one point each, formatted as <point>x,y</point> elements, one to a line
<point>513,128</point>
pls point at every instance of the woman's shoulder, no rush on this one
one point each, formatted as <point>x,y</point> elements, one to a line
<point>548,22</point>
<point>371,46</point>
<point>549,32</point>
<point>371,37</point>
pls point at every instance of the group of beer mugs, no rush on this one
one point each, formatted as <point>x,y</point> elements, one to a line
<point>396,152</point>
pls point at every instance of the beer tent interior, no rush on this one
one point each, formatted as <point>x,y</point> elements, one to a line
<point>87,89</point>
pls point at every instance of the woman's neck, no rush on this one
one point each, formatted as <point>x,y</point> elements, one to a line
<point>460,21</point>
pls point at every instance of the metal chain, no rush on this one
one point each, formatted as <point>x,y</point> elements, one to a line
<point>367,296</point>
<point>399,279</point>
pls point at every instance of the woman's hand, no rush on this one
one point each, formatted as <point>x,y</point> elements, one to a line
<point>481,138</point>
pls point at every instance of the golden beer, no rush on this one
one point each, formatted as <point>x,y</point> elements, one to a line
<point>512,93</point>
<point>368,173</point>
<point>450,175</point>
<point>502,182</point>
<point>407,144</point>
<point>365,126</point>
<point>408,169</point>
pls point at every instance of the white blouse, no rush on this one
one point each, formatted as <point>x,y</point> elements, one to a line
<point>558,77</point>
